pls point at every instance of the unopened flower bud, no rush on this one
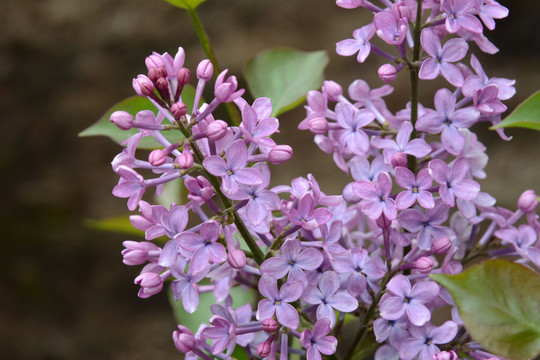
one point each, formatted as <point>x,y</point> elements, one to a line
<point>442,245</point>
<point>446,355</point>
<point>157,157</point>
<point>122,120</point>
<point>318,125</point>
<point>183,76</point>
<point>178,110</point>
<point>150,283</point>
<point>163,87</point>
<point>183,339</point>
<point>528,201</point>
<point>332,90</point>
<point>400,11</point>
<point>263,349</point>
<point>216,130</point>
<point>155,73</point>
<point>136,253</point>
<point>387,73</point>
<point>185,160</point>
<point>399,159</point>
<point>279,154</point>
<point>154,61</point>
<point>236,258</point>
<point>270,325</point>
<point>205,70</point>
<point>143,86</point>
<point>349,4</point>
<point>424,265</point>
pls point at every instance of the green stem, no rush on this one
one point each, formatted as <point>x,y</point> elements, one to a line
<point>233,112</point>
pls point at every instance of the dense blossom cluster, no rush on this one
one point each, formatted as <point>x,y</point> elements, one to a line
<point>413,206</point>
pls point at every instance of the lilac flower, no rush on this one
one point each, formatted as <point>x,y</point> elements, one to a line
<point>223,334</point>
<point>390,29</point>
<point>441,57</point>
<point>489,10</point>
<point>416,147</point>
<point>352,121</point>
<point>361,268</point>
<point>486,100</point>
<point>452,180</point>
<point>423,340</point>
<point>278,301</point>
<point>168,222</point>
<point>447,121</point>
<point>328,298</point>
<point>307,217</point>
<point>292,261</point>
<point>376,197</point>
<point>233,171</point>
<point>472,83</point>
<point>131,185</point>
<point>393,330</point>
<point>407,300</point>
<point>523,240</point>
<point>185,287</point>
<point>361,169</point>
<point>318,342</point>
<point>257,124</point>
<point>416,188</point>
<point>204,247</point>
<point>372,100</point>
<point>427,225</point>
<point>458,15</point>
<point>359,44</point>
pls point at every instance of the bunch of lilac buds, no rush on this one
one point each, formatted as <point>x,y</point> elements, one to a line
<point>413,207</point>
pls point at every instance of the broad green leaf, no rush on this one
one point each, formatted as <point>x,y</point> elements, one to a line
<point>239,295</point>
<point>185,4</point>
<point>285,76</point>
<point>526,115</point>
<point>499,302</point>
<point>134,104</point>
<point>117,224</point>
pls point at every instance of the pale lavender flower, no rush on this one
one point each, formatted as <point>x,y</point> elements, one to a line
<point>327,296</point>
<point>393,330</point>
<point>448,121</point>
<point>131,185</point>
<point>417,188</point>
<point>393,31</point>
<point>292,261</point>
<point>318,341</point>
<point>204,247</point>
<point>416,147</point>
<point>459,14</point>
<point>486,100</point>
<point>452,180</point>
<point>223,335</point>
<point>168,222</point>
<point>359,44</point>
<point>472,83</point>
<point>257,124</point>
<point>442,57</point>
<point>489,10</point>
<point>523,241</point>
<point>234,170</point>
<point>372,100</point>
<point>376,197</point>
<point>278,301</point>
<point>352,120</point>
<point>306,216</point>
<point>423,339</point>
<point>185,287</point>
<point>409,300</point>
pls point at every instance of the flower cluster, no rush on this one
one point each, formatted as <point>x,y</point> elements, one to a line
<point>413,207</point>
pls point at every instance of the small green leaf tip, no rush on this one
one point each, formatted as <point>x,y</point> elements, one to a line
<point>526,115</point>
<point>186,4</point>
<point>499,302</point>
<point>285,75</point>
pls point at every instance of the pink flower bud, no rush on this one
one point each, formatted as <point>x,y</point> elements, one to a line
<point>424,265</point>
<point>400,11</point>
<point>216,130</point>
<point>205,70</point>
<point>528,201</point>
<point>441,245</point>
<point>122,120</point>
<point>143,86</point>
<point>155,73</point>
<point>157,157</point>
<point>279,154</point>
<point>236,258</point>
<point>136,253</point>
<point>318,125</point>
<point>387,73</point>
<point>154,61</point>
<point>163,87</point>
<point>183,339</point>
<point>263,349</point>
<point>225,88</point>
<point>185,160</point>
<point>178,110</point>
<point>446,355</point>
<point>349,4</point>
<point>383,222</point>
<point>150,283</point>
<point>270,325</point>
<point>399,159</point>
<point>332,90</point>
<point>183,76</point>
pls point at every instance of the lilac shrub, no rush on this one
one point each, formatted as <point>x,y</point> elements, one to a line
<point>361,259</point>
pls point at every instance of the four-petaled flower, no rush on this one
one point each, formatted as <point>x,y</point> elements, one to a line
<point>318,341</point>
<point>278,301</point>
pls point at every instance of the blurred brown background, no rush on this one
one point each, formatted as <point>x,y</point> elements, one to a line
<point>64,292</point>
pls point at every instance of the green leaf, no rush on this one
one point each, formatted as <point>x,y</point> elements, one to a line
<point>526,115</point>
<point>185,4</point>
<point>117,224</point>
<point>239,295</point>
<point>285,76</point>
<point>499,302</point>
<point>134,104</point>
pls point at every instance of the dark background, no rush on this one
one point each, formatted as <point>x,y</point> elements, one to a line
<point>64,292</point>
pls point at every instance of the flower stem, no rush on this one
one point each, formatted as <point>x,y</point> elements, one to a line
<point>205,43</point>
